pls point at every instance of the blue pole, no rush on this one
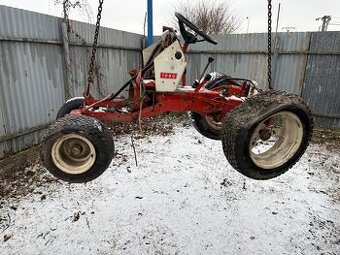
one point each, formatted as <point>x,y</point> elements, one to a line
<point>150,23</point>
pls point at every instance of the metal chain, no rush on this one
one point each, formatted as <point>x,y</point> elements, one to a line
<point>270,44</point>
<point>94,46</point>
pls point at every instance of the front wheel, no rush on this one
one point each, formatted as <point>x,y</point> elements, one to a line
<point>77,148</point>
<point>70,105</point>
<point>267,134</point>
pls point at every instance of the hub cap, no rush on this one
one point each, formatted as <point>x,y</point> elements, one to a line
<point>73,154</point>
<point>276,140</point>
<point>213,123</point>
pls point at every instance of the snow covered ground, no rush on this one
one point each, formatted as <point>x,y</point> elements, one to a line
<point>182,198</point>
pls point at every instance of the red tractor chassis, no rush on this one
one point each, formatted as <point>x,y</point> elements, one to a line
<point>204,101</point>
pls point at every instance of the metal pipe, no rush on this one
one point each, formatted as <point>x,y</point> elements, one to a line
<point>210,60</point>
<point>150,23</point>
<point>278,18</point>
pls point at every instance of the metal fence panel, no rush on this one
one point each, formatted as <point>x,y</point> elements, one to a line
<point>27,25</point>
<point>31,85</point>
<point>322,90</point>
<point>30,69</point>
<point>113,69</point>
<point>234,43</point>
<point>289,73</point>
<point>117,53</point>
<point>245,55</point>
<point>83,33</point>
<point>289,60</point>
<point>248,66</point>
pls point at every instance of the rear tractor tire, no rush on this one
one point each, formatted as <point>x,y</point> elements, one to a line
<point>70,105</point>
<point>77,148</point>
<point>267,134</point>
<point>207,125</point>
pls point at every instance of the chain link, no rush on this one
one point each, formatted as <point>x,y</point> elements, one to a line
<point>94,46</point>
<point>270,44</point>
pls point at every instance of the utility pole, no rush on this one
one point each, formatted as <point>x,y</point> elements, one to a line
<point>248,20</point>
<point>325,22</point>
<point>278,17</point>
<point>150,23</point>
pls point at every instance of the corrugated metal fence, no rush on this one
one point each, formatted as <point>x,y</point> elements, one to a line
<point>41,66</point>
<point>245,55</point>
<point>322,80</point>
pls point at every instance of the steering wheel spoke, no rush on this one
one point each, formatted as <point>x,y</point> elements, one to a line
<point>188,36</point>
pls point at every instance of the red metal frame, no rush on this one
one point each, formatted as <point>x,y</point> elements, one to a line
<point>200,100</point>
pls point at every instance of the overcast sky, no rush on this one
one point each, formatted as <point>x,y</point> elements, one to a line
<point>128,15</point>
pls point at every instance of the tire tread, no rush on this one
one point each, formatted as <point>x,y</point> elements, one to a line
<point>94,130</point>
<point>236,124</point>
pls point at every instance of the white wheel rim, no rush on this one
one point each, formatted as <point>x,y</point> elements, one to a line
<point>73,154</point>
<point>214,124</point>
<point>286,133</point>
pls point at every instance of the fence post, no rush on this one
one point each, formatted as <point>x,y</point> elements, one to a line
<point>68,91</point>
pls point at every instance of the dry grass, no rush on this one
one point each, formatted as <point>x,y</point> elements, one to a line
<point>327,136</point>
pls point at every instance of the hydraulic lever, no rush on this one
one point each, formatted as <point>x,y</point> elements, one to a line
<point>210,60</point>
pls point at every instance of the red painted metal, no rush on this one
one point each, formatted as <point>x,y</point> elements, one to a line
<point>203,82</point>
<point>146,102</point>
<point>205,102</point>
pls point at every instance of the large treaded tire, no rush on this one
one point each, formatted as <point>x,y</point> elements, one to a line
<point>70,105</point>
<point>241,122</point>
<point>92,131</point>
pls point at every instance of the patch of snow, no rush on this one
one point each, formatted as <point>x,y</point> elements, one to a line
<point>98,125</point>
<point>242,99</point>
<point>182,198</point>
<point>74,98</point>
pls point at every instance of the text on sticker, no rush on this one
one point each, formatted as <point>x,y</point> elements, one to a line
<point>168,75</point>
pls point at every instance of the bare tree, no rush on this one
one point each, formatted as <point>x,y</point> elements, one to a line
<point>81,6</point>
<point>212,17</point>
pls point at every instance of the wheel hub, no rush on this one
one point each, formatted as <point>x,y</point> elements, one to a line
<point>76,151</point>
<point>276,140</point>
<point>212,122</point>
<point>73,154</point>
<point>265,134</point>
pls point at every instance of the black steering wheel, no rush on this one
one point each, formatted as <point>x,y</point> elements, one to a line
<point>189,37</point>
